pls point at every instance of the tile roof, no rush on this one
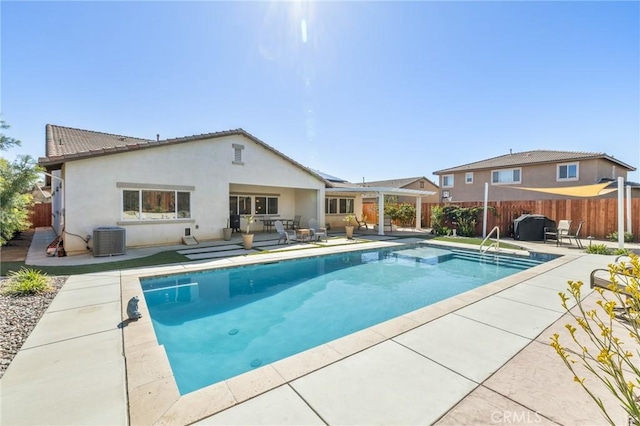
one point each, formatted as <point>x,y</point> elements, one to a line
<point>396,183</point>
<point>62,141</point>
<point>532,157</point>
<point>67,144</point>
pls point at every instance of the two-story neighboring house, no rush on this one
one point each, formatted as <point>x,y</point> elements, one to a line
<point>532,169</point>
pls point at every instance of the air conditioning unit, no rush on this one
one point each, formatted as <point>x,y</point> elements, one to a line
<point>109,241</point>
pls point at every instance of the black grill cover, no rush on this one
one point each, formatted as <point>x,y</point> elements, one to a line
<point>530,227</point>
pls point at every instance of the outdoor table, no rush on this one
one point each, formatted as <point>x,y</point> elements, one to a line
<point>268,224</point>
<point>303,234</point>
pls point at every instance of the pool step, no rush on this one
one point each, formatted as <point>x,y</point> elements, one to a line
<point>493,258</point>
<point>483,258</point>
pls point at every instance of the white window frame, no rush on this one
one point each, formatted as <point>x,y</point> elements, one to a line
<point>253,197</point>
<point>468,177</point>
<point>348,202</point>
<point>164,216</point>
<point>511,182</point>
<point>444,177</point>
<point>567,165</point>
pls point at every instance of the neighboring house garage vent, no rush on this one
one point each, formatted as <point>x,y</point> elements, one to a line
<point>109,241</point>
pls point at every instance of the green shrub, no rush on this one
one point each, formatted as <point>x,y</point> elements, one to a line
<point>598,249</point>
<point>628,237</point>
<point>620,252</point>
<point>27,281</point>
<point>437,221</point>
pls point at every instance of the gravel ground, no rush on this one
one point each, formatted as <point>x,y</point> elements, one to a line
<point>18,316</point>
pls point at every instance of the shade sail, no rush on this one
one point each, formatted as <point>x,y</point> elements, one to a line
<point>573,191</point>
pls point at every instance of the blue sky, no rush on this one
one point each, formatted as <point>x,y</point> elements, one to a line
<point>373,90</point>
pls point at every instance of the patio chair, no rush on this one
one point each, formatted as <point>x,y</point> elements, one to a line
<point>283,235</point>
<point>575,236</point>
<point>562,230</point>
<point>617,281</point>
<point>316,232</point>
<point>361,223</point>
<point>295,224</point>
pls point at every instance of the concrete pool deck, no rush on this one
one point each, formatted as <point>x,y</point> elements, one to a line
<point>478,358</point>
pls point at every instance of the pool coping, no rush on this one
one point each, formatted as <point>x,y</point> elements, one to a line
<point>153,394</point>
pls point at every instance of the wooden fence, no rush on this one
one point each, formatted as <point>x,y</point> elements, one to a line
<point>600,215</point>
<point>40,215</point>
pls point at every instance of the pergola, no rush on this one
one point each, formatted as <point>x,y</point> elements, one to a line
<point>380,192</point>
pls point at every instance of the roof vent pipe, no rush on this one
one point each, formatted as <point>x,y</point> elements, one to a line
<point>510,151</point>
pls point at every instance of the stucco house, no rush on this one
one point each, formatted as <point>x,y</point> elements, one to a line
<point>159,191</point>
<point>532,169</point>
<point>420,183</point>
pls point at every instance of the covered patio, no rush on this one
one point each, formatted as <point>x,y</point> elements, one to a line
<point>379,193</point>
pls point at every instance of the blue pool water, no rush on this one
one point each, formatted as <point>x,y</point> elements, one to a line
<point>221,323</point>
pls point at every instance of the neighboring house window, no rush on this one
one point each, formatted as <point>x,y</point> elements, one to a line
<point>338,205</point>
<point>421,184</point>
<point>505,176</point>
<point>567,171</point>
<point>447,181</point>
<point>264,204</point>
<point>468,177</point>
<point>155,205</point>
<point>237,154</point>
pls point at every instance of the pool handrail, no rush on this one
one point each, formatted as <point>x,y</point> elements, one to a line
<point>495,244</point>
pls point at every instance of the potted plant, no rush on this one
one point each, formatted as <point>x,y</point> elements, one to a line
<point>348,228</point>
<point>226,232</point>
<point>247,238</point>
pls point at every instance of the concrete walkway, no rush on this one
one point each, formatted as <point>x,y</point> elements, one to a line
<point>472,360</point>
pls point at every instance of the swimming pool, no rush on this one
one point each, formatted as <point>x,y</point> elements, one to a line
<point>220,323</point>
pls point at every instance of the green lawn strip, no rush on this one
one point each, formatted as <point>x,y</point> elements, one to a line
<point>162,258</point>
<point>475,241</point>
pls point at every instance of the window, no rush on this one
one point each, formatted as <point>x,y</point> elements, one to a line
<point>264,204</point>
<point>447,181</point>
<point>155,204</point>
<point>468,177</point>
<point>505,176</point>
<point>338,205</point>
<point>421,184</point>
<point>567,171</point>
<point>331,206</point>
<point>237,154</point>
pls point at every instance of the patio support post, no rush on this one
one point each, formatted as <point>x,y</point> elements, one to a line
<point>621,212</point>
<point>320,207</point>
<point>418,213</point>
<point>484,212</point>
<point>380,213</point>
